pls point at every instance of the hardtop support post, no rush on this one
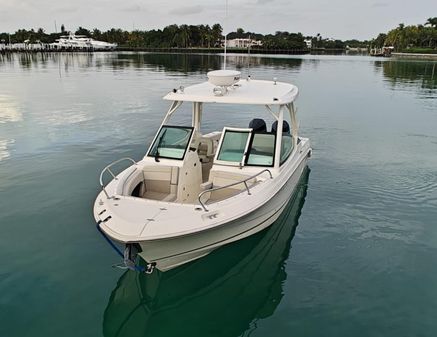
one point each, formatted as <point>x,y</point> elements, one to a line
<point>294,122</point>
<point>279,136</point>
<point>269,109</point>
<point>173,107</point>
<point>197,115</point>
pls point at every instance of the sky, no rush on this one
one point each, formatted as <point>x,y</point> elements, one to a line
<point>341,19</point>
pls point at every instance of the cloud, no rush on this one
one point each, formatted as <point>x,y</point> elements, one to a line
<point>189,10</point>
<point>262,2</point>
<point>66,9</point>
<point>379,4</point>
<point>133,8</point>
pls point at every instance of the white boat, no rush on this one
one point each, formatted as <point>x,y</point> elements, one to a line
<point>73,41</point>
<point>101,45</point>
<point>194,192</point>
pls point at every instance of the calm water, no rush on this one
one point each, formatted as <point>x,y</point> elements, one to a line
<point>355,253</point>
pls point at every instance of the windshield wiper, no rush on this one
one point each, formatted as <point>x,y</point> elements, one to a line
<point>157,146</point>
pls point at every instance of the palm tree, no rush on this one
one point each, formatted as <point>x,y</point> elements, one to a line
<point>400,37</point>
<point>96,34</point>
<point>171,35</point>
<point>431,22</point>
<point>207,35</point>
<point>40,35</point>
<point>216,33</point>
<point>185,34</point>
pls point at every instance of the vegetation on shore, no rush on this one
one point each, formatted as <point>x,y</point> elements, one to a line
<point>411,39</point>
<point>421,38</point>
<point>185,36</point>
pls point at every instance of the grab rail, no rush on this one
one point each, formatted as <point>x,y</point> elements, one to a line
<point>108,169</point>
<point>244,181</point>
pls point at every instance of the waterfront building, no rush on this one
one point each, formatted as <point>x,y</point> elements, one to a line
<point>242,43</point>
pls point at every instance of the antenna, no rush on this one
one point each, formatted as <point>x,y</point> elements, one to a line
<point>248,57</point>
<point>226,34</point>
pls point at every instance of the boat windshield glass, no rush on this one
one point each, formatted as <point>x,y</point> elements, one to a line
<point>233,145</point>
<point>262,150</point>
<point>244,146</point>
<point>286,146</point>
<point>171,142</point>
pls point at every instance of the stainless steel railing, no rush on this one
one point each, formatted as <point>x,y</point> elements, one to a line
<point>244,181</point>
<point>108,169</point>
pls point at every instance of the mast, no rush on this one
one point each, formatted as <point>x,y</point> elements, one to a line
<point>226,34</point>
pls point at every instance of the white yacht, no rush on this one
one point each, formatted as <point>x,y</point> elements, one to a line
<point>73,41</point>
<point>101,45</point>
<point>194,192</point>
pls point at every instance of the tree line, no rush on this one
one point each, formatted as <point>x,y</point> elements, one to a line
<point>419,38</point>
<point>183,36</point>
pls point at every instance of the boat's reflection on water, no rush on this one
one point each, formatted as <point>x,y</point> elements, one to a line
<point>220,294</point>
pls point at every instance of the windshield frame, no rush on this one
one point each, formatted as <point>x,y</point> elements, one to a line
<point>220,145</point>
<point>159,135</point>
<point>247,150</point>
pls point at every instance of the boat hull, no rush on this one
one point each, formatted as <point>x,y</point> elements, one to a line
<point>173,252</point>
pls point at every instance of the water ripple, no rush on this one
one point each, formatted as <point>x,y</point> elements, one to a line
<point>5,152</point>
<point>9,110</point>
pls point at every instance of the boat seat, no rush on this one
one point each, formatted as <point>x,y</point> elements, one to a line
<point>161,182</point>
<point>206,150</point>
<point>222,178</point>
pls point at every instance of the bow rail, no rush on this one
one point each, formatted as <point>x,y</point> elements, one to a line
<point>108,169</point>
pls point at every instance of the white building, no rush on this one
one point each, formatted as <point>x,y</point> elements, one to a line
<point>309,43</point>
<point>242,43</point>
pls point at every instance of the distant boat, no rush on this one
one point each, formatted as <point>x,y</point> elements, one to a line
<point>382,52</point>
<point>73,41</point>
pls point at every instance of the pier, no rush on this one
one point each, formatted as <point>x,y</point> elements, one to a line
<point>40,47</point>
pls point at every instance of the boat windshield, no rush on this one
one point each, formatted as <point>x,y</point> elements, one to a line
<point>262,150</point>
<point>233,145</point>
<point>242,146</point>
<point>171,142</point>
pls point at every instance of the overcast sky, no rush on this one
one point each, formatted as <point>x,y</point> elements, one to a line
<point>343,19</point>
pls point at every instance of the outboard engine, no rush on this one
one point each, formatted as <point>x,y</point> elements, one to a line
<point>258,125</point>
<point>130,255</point>
<point>285,127</point>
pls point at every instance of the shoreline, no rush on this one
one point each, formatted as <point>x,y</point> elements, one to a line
<point>196,50</point>
<point>192,50</point>
<point>163,50</point>
<point>415,56</point>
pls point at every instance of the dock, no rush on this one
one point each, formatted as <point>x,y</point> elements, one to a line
<point>39,47</point>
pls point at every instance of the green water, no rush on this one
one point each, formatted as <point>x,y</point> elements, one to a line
<point>354,254</point>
